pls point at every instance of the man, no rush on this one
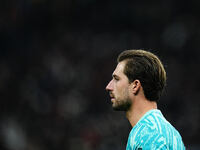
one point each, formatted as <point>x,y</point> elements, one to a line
<point>136,86</point>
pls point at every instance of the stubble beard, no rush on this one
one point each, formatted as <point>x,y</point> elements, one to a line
<point>122,105</point>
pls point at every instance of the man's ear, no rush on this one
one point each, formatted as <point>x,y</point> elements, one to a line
<point>136,86</point>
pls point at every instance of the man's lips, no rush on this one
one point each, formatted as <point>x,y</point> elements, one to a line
<point>112,97</point>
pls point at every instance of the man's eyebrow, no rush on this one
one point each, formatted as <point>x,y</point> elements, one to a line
<point>115,76</point>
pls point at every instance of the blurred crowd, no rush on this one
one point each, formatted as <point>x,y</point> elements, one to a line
<point>56,57</point>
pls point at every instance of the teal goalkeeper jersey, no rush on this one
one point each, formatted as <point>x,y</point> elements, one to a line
<point>154,132</point>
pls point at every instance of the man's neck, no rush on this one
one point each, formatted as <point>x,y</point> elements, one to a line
<point>138,109</point>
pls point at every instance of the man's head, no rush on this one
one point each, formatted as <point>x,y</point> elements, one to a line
<point>136,66</point>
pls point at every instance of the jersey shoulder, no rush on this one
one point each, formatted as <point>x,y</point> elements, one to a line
<point>154,132</point>
<point>146,139</point>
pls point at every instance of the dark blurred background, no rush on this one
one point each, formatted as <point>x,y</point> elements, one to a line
<point>56,58</point>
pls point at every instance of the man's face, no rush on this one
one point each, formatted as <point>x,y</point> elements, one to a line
<point>119,89</point>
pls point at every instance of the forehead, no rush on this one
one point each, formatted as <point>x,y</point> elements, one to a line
<point>119,70</point>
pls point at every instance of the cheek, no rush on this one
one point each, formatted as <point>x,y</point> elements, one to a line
<point>121,89</point>
<point>124,92</point>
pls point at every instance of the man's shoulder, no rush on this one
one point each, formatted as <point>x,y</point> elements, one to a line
<point>155,122</point>
<point>154,132</point>
<point>152,139</point>
<point>147,139</point>
<point>145,132</point>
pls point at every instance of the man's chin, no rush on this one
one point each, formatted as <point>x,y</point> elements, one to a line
<point>124,107</point>
<point>119,108</point>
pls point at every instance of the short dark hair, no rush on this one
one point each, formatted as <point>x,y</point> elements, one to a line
<point>148,69</point>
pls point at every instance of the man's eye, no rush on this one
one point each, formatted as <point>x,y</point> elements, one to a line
<point>117,79</point>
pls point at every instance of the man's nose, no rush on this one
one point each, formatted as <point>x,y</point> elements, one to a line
<point>109,86</point>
